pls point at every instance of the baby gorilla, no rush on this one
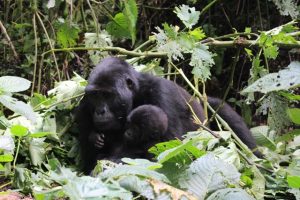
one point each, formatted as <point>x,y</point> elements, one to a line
<point>146,125</point>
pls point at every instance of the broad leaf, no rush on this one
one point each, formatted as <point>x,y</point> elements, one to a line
<point>143,163</point>
<point>37,150</point>
<point>6,158</point>
<point>294,181</point>
<point>142,187</point>
<point>283,80</point>
<point>131,13</point>
<point>67,34</point>
<point>13,84</point>
<point>19,130</point>
<point>7,143</point>
<point>40,134</point>
<point>122,170</point>
<point>260,133</point>
<point>208,174</point>
<point>119,27</point>
<point>294,114</point>
<point>230,194</point>
<point>18,107</point>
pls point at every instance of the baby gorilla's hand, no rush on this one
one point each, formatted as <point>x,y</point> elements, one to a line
<point>97,139</point>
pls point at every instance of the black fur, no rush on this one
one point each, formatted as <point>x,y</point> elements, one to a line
<point>115,89</point>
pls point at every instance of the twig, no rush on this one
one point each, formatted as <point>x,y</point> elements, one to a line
<point>236,59</point>
<point>3,29</point>
<point>222,121</point>
<point>35,53</point>
<point>205,9</point>
<point>50,44</point>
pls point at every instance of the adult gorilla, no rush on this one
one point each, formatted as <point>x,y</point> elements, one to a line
<point>115,88</point>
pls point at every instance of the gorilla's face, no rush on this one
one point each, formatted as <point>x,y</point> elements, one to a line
<point>110,92</point>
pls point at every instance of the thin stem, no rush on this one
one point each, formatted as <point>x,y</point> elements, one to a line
<point>17,152</point>
<point>236,59</point>
<point>207,7</point>
<point>35,54</point>
<point>50,44</point>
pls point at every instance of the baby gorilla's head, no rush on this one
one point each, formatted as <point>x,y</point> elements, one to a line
<point>146,124</point>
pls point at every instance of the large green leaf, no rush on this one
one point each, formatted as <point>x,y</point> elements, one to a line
<point>131,13</point>
<point>260,133</point>
<point>18,107</point>
<point>142,187</point>
<point>67,34</point>
<point>294,181</point>
<point>7,143</point>
<point>13,84</point>
<point>119,27</point>
<point>122,170</point>
<point>208,174</point>
<point>37,150</point>
<point>294,114</point>
<point>19,130</point>
<point>6,158</point>
<point>230,194</point>
<point>282,80</point>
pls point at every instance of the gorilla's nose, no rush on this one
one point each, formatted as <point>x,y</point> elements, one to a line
<point>100,111</point>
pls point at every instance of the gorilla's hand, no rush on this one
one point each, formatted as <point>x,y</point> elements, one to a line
<point>97,139</point>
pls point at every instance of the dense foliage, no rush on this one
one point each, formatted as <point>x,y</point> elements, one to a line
<point>236,50</point>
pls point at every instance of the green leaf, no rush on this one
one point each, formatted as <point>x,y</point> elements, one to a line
<point>294,181</point>
<point>230,194</point>
<point>18,130</point>
<point>248,30</point>
<point>131,13</point>
<point>163,146</point>
<point>294,114</point>
<point>142,187</point>
<point>22,179</point>
<point>207,174</point>
<point>271,52</point>
<point>249,52</point>
<point>288,136</point>
<point>37,150</point>
<point>122,170</point>
<point>202,61</point>
<point>6,158</point>
<point>197,33</point>
<point>260,134</point>
<point>40,134</point>
<point>7,143</point>
<point>119,27</point>
<point>283,80</point>
<point>67,34</point>
<point>170,153</point>
<point>143,163</point>
<point>18,107</point>
<point>188,15</point>
<point>14,84</point>
<point>290,96</point>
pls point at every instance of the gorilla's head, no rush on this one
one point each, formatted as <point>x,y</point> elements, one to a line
<point>110,92</point>
<point>146,123</point>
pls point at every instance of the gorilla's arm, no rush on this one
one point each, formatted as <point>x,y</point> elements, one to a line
<point>235,122</point>
<point>85,125</point>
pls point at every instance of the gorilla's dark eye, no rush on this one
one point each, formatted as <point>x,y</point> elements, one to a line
<point>129,83</point>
